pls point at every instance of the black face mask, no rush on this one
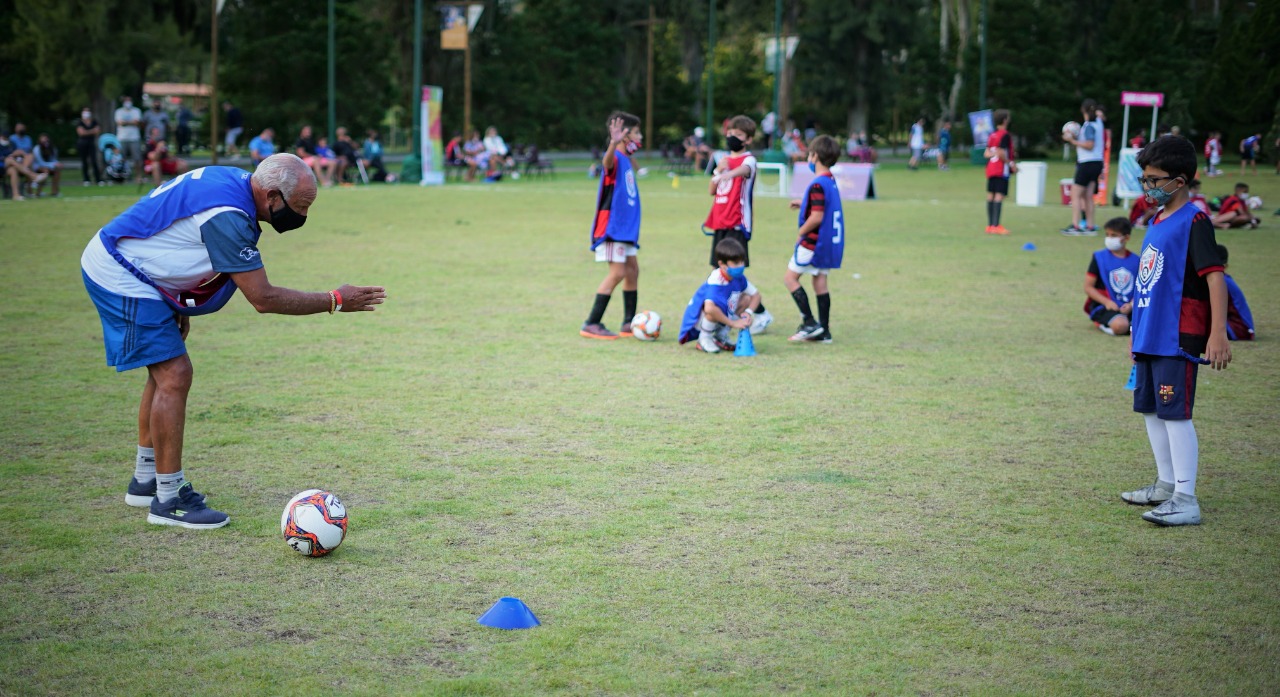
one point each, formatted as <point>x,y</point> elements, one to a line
<point>285,218</point>
<point>734,142</point>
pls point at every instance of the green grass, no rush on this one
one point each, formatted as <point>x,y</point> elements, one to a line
<point>927,506</point>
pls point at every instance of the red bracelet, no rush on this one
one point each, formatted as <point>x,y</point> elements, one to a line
<point>338,298</point>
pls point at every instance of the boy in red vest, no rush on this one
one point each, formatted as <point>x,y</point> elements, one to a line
<point>732,189</point>
<point>1000,165</point>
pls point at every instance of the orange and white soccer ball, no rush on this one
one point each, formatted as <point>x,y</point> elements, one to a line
<point>314,522</point>
<point>646,326</point>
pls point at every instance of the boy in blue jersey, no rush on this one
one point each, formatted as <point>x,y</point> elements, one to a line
<point>1239,318</point>
<point>726,300</point>
<point>615,233</point>
<point>820,246</point>
<point>1108,284</point>
<point>1179,312</point>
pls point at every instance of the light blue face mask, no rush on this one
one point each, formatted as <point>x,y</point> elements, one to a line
<point>736,271</point>
<point>1158,196</point>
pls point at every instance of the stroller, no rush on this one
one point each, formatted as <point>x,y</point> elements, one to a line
<point>118,168</point>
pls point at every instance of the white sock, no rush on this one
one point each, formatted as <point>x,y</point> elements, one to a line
<point>144,468</point>
<point>1185,448</point>
<point>1159,437</point>
<point>167,485</point>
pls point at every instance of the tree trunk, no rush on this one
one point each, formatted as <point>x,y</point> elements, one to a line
<point>963,35</point>
<point>858,112</point>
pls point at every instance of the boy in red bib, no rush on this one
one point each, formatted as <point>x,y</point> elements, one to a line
<point>1000,165</point>
<point>732,189</point>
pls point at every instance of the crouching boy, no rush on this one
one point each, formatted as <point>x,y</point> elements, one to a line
<point>726,300</point>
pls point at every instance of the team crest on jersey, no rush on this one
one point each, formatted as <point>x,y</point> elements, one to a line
<point>630,180</point>
<point>1150,267</point>
<point>1166,394</point>
<point>1121,281</point>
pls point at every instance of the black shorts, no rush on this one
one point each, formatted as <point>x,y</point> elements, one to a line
<point>998,185</point>
<point>1102,317</point>
<point>1088,172</point>
<point>729,234</point>
<point>1248,155</point>
<point>1165,386</point>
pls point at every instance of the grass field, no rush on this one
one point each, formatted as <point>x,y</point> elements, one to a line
<point>926,506</point>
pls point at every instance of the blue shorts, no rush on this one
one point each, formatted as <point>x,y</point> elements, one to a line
<point>135,331</point>
<point>1165,386</point>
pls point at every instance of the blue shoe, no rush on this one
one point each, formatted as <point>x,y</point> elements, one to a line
<point>187,510</point>
<point>139,495</point>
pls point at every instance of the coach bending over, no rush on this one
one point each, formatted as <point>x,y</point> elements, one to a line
<point>183,250</point>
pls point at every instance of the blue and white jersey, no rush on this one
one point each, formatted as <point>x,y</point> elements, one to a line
<point>182,238</point>
<point>1092,131</point>
<point>1117,274</point>
<point>720,289</point>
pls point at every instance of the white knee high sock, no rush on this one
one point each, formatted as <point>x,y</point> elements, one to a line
<point>1159,437</point>
<point>1185,448</point>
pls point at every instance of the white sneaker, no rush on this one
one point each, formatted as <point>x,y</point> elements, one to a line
<point>1149,495</point>
<point>1181,509</point>
<point>761,322</point>
<point>707,342</point>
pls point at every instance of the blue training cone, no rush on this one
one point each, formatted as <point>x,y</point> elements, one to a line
<point>509,613</point>
<point>1029,247</point>
<point>745,346</point>
<point>1133,378</point>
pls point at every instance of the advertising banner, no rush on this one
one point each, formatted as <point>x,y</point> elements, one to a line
<point>431,129</point>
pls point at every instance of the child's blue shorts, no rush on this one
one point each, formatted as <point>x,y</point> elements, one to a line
<point>135,331</point>
<point>1165,386</point>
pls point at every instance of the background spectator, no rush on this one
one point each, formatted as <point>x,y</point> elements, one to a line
<point>473,153</point>
<point>235,126</point>
<point>185,117</point>
<point>373,155</point>
<point>262,146</point>
<point>157,119</point>
<point>17,167</point>
<point>497,148</point>
<point>160,163</point>
<point>128,120</point>
<point>45,161</point>
<point>87,131</point>
<point>305,148</point>
<point>20,139</point>
<point>696,149</point>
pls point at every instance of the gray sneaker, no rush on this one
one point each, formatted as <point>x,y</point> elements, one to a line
<point>1179,510</point>
<point>1150,494</point>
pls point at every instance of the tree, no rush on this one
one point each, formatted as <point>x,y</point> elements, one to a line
<point>274,66</point>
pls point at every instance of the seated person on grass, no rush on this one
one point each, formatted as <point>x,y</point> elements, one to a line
<point>158,161</point>
<point>1109,282</point>
<point>17,167</point>
<point>1239,318</point>
<point>44,160</point>
<point>1234,211</point>
<point>726,300</point>
<point>1195,198</point>
<point>1141,212</point>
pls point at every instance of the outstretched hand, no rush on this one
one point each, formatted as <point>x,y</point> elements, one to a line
<point>616,130</point>
<point>361,298</point>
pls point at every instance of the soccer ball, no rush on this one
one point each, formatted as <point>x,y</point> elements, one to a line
<point>1254,203</point>
<point>646,326</point>
<point>1071,128</point>
<point>314,523</point>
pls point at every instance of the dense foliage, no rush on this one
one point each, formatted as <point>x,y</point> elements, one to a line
<point>548,71</point>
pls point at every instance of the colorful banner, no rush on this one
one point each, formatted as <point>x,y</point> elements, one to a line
<point>856,181</point>
<point>1127,185</point>
<point>981,127</point>
<point>456,23</point>
<point>431,129</point>
<point>1155,99</point>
